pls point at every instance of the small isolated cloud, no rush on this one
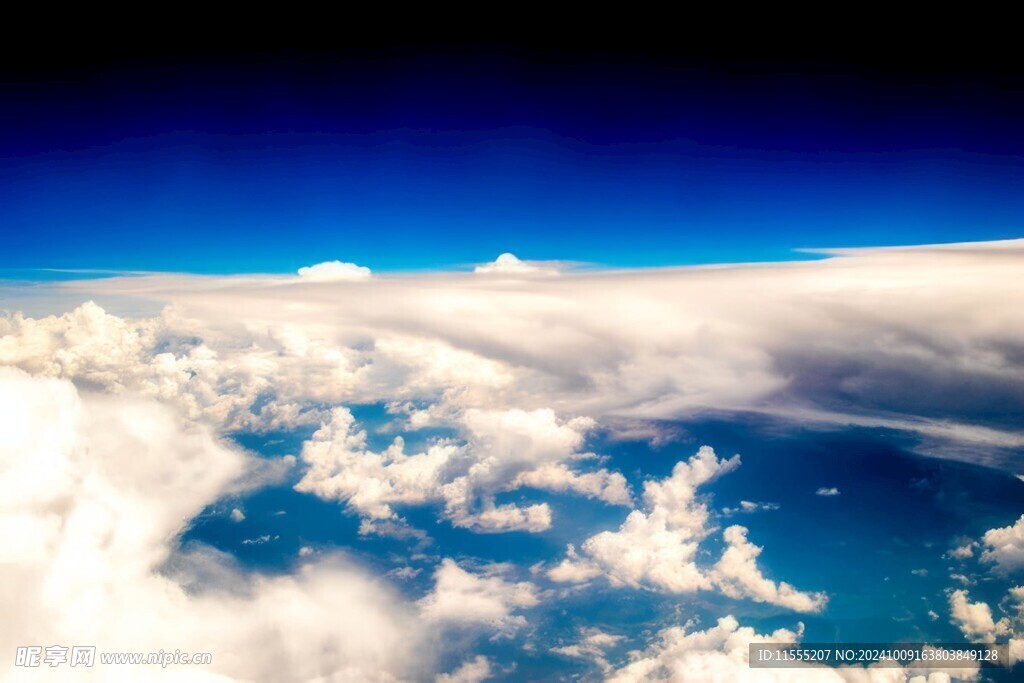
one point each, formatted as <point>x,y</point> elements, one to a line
<point>472,671</point>
<point>749,506</point>
<point>509,264</point>
<point>404,573</point>
<point>827,491</point>
<point>334,271</point>
<point>260,540</point>
<point>1005,546</point>
<point>592,645</point>
<point>963,552</point>
<point>237,515</point>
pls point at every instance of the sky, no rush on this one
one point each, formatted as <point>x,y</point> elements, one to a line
<point>200,165</point>
<point>506,362</point>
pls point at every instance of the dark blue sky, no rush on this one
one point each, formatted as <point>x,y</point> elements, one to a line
<point>411,159</point>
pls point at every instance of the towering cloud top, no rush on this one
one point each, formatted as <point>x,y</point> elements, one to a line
<point>334,271</point>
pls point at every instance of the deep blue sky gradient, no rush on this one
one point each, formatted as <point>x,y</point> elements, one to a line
<point>413,161</point>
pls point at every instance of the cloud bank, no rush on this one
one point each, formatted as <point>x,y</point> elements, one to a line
<point>113,435</point>
<point>923,340</point>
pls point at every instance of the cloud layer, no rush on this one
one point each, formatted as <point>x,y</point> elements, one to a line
<point>114,434</point>
<point>94,491</point>
<point>924,340</point>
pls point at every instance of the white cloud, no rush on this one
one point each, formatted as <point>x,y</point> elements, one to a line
<point>716,654</point>
<point>657,549</point>
<point>592,645</point>
<point>94,491</point>
<point>974,619</point>
<point>719,654</point>
<point>340,466</point>
<point>404,573</point>
<point>237,515</point>
<point>509,265</point>
<point>874,338</point>
<point>737,575</point>
<point>472,671</point>
<point>505,362</point>
<point>965,580</point>
<point>963,552</point>
<point>1005,546</point>
<point>501,451</point>
<point>334,271</point>
<point>610,487</point>
<point>463,598</point>
<point>646,551</point>
<point>1016,598</point>
<point>574,569</point>
<point>878,338</point>
<point>827,491</point>
<point>749,506</point>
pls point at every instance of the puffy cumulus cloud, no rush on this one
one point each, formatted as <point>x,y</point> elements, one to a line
<point>964,551</point>
<point>646,551</point>
<point>677,494</point>
<point>341,467</point>
<point>737,575</point>
<point>165,358</point>
<point>592,645</point>
<point>610,487</point>
<point>1005,546</point>
<point>462,598</point>
<point>574,569</point>
<point>94,492</point>
<point>716,654</point>
<point>1016,599</point>
<point>510,265</point>
<point>978,624</point>
<point>721,653</point>
<point>334,271</point>
<point>974,619</point>
<point>472,671</point>
<point>501,451</point>
<point>657,548</point>
<point>254,374</point>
